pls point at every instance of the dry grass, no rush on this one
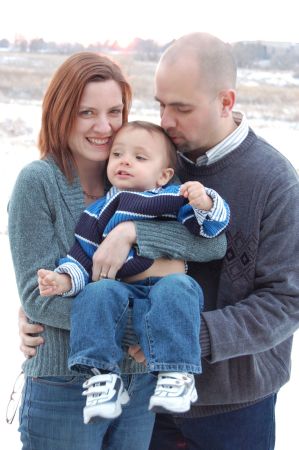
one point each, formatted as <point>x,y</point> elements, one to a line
<point>25,77</point>
<point>270,102</point>
<point>140,75</point>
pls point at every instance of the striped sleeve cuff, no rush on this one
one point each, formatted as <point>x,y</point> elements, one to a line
<point>77,278</point>
<point>215,220</point>
<point>218,212</point>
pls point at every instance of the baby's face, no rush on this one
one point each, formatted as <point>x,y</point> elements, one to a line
<point>138,160</point>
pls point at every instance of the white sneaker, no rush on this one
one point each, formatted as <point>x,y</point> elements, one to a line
<point>175,391</point>
<point>105,394</point>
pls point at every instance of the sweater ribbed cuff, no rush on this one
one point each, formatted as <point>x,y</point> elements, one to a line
<point>172,239</point>
<point>204,339</point>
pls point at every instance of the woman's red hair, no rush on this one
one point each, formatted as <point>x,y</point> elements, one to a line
<point>62,99</point>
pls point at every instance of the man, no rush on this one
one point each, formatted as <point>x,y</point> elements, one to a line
<point>252,297</point>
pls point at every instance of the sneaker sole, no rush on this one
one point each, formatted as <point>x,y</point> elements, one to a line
<point>159,405</point>
<point>107,411</point>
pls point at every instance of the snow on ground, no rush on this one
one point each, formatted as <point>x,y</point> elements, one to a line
<point>18,133</point>
<point>251,77</point>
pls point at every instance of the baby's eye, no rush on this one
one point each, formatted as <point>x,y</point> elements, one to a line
<point>140,158</point>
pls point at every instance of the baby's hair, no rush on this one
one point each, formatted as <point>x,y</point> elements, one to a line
<point>154,128</point>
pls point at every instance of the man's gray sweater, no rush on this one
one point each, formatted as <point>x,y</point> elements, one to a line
<point>252,296</point>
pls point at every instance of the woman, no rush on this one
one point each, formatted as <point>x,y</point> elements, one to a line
<point>87,101</point>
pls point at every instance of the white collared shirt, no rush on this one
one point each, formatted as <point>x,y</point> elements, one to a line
<point>230,143</point>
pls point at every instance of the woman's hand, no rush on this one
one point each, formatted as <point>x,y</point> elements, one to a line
<point>136,353</point>
<point>113,251</point>
<point>26,331</point>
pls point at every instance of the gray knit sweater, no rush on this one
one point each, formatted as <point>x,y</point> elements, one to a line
<point>44,209</point>
<point>252,297</point>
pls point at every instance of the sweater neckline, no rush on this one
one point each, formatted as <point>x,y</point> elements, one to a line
<point>221,163</point>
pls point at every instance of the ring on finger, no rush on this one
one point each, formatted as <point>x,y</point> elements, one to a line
<point>103,275</point>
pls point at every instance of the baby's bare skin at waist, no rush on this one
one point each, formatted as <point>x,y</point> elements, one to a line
<point>160,268</point>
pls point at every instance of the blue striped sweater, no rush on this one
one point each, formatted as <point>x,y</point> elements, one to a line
<point>117,206</point>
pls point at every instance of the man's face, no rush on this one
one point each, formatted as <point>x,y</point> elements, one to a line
<point>190,112</point>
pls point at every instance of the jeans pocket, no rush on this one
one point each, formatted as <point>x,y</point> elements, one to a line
<point>59,380</point>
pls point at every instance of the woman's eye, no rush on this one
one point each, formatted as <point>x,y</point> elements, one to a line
<point>85,113</point>
<point>116,112</point>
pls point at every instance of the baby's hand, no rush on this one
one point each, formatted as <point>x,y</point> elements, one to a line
<point>53,283</point>
<point>196,194</point>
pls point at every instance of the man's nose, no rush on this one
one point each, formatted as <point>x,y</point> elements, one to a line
<point>167,119</point>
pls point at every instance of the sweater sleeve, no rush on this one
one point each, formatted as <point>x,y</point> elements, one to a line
<point>79,278</point>
<point>34,244</point>
<point>171,239</point>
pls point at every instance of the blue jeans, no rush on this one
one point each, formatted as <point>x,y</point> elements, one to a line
<point>51,416</point>
<point>165,316</point>
<point>250,428</point>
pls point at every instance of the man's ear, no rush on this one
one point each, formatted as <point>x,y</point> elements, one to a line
<point>165,176</point>
<point>227,100</point>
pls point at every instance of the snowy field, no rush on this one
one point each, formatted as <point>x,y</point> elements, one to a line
<point>18,130</point>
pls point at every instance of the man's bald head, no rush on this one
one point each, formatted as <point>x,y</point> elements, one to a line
<point>214,58</point>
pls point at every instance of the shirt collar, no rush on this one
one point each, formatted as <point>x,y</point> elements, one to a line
<point>230,143</point>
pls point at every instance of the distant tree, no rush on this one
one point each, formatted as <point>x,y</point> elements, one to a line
<point>37,45</point>
<point>285,59</point>
<point>51,47</point>
<point>68,48</point>
<point>145,49</point>
<point>4,43</point>
<point>248,53</point>
<point>20,44</point>
<point>273,55</point>
<point>114,46</point>
<point>96,47</point>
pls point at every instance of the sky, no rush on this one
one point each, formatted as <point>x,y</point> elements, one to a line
<point>94,21</point>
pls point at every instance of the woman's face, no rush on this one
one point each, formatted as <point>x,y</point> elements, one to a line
<point>99,117</point>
